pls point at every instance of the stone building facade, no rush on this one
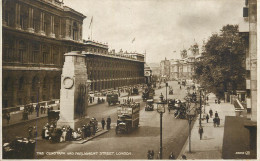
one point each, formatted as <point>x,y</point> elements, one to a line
<point>36,35</point>
<point>183,68</point>
<point>165,70</point>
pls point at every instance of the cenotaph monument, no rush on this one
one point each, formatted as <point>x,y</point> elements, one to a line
<point>74,91</point>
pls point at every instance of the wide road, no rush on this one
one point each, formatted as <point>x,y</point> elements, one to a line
<point>127,146</point>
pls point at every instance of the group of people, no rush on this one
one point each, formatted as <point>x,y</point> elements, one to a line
<point>217,101</point>
<point>108,123</point>
<point>66,133</point>
<point>150,155</point>
<point>216,119</point>
<point>29,109</point>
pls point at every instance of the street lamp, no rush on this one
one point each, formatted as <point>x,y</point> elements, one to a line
<point>161,110</point>
<point>166,85</point>
<point>190,115</point>
<point>200,104</point>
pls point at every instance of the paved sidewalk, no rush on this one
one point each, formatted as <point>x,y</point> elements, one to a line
<point>16,117</point>
<point>210,147</point>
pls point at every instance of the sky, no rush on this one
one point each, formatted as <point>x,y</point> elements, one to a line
<point>162,28</point>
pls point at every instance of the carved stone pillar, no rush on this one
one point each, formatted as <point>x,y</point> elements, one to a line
<point>4,20</point>
<point>60,28</point>
<point>52,27</point>
<point>30,20</point>
<point>17,16</point>
<point>41,32</point>
<point>68,30</point>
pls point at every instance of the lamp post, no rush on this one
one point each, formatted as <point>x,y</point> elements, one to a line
<point>200,105</point>
<point>190,116</point>
<point>166,85</point>
<point>161,110</point>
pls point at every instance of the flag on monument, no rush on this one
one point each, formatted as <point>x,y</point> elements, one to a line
<point>91,22</point>
<point>133,40</point>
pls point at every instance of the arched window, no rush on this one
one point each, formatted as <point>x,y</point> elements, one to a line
<point>21,83</point>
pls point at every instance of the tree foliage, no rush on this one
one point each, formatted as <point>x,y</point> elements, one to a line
<point>221,67</point>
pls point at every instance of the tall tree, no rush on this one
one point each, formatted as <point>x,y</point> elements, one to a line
<point>222,66</point>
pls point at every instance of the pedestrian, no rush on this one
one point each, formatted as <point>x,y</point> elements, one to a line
<point>37,110</point>
<point>218,101</point>
<point>172,157</point>
<point>30,132</point>
<point>149,154</point>
<point>169,109</point>
<point>152,154</point>
<point>35,132</point>
<point>43,132</point>
<point>108,122</point>
<point>215,101</point>
<point>180,86</point>
<point>42,110</point>
<point>83,135</point>
<point>216,114</point>
<point>90,100</point>
<point>207,118</point>
<point>210,112</point>
<point>207,98</point>
<point>218,121</point>
<point>200,131</point>
<point>158,156</point>
<point>8,117</point>
<point>183,157</point>
<point>103,122</point>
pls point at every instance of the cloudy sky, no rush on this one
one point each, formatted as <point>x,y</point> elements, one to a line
<point>159,27</point>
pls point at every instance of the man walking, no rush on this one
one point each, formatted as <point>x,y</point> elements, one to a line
<point>103,122</point>
<point>37,110</point>
<point>216,114</point>
<point>172,157</point>
<point>207,118</point>
<point>210,112</point>
<point>108,122</point>
<point>201,132</point>
<point>8,117</point>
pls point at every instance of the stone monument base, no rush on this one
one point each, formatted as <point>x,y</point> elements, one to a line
<point>74,124</point>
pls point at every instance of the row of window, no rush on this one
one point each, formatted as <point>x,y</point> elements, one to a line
<point>74,31</point>
<point>8,84</point>
<point>32,55</point>
<point>94,75</point>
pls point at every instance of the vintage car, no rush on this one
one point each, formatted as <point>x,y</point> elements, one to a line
<point>135,91</point>
<point>149,105</point>
<point>148,94</point>
<point>112,99</point>
<point>171,104</point>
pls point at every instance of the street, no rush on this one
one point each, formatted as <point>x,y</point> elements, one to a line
<point>126,146</point>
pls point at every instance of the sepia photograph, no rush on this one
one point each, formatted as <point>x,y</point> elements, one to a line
<point>129,79</point>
